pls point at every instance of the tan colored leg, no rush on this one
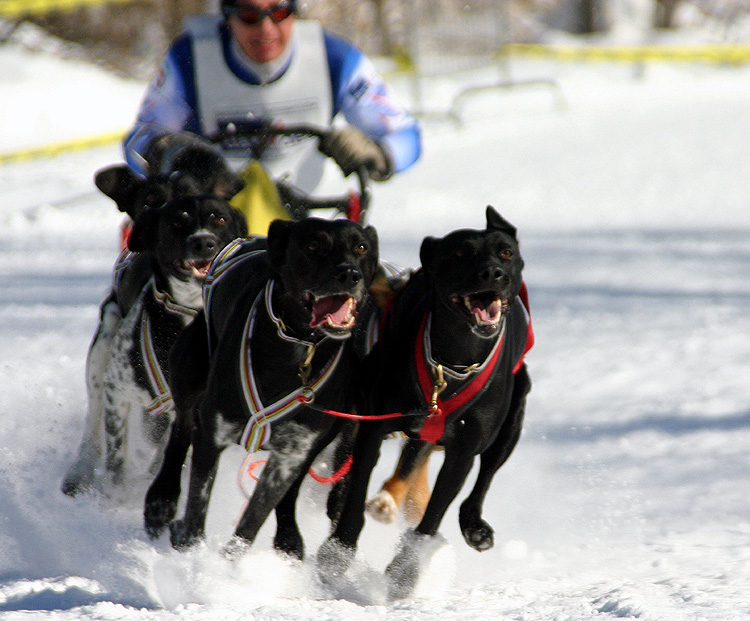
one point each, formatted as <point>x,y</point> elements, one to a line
<point>384,505</point>
<point>417,496</point>
<point>408,488</point>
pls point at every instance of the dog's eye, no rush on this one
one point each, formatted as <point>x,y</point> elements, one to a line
<point>313,246</point>
<point>219,220</point>
<point>506,253</point>
<point>360,249</point>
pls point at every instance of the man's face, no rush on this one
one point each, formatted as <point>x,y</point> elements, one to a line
<point>266,40</point>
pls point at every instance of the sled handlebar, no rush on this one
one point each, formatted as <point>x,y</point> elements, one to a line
<point>256,136</point>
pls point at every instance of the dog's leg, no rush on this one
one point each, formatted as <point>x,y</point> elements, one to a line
<point>337,552</point>
<point>162,496</point>
<point>342,454</point>
<point>188,370</point>
<point>204,465</point>
<point>411,471</point>
<point>120,394</point>
<point>288,539</point>
<point>80,475</point>
<point>293,449</point>
<point>116,415</point>
<point>478,533</point>
<point>418,496</point>
<point>403,571</point>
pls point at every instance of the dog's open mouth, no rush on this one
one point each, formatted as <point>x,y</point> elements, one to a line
<point>336,312</point>
<point>485,307</point>
<point>197,268</point>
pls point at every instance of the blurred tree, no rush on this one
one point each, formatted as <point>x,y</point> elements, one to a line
<point>579,16</point>
<point>174,12</point>
<point>664,13</point>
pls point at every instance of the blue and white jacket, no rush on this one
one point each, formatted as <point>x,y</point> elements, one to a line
<point>186,96</point>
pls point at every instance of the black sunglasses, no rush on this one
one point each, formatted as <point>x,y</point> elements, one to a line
<point>252,15</point>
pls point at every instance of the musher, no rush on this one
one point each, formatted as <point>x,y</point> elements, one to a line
<point>258,61</point>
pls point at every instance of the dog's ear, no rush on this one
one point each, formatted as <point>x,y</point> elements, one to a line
<point>497,222</point>
<point>428,253</point>
<point>121,184</point>
<point>227,185</point>
<point>143,236</point>
<point>372,238</point>
<point>373,256</point>
<point>278,240</point>
<point>183,184</point>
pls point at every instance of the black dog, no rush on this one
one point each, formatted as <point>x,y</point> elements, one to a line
<point>451,363</point>
<point>157,292</point>
<point>279,326</point>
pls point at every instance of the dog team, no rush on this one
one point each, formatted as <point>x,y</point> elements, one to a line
<point>210,337</point>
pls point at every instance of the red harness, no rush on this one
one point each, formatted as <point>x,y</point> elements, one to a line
<point>434,426</point>
<point>439,409</point>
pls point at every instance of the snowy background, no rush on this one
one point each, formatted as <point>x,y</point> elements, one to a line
<point>628,496</point>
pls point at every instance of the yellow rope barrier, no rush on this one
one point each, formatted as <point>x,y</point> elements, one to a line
<point>21,8</point>
<point>734,54</point>
<point>54,149</point>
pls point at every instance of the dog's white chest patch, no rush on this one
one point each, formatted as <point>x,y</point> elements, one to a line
<point>188,294</point>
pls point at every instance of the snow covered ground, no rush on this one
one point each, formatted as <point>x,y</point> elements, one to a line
<point>628,494</point>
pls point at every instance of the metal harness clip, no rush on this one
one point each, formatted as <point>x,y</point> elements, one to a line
<point>438,387</point>
<point>306,367</point>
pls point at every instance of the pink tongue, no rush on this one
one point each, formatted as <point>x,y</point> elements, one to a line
<point>335,306</point>
<point>200,268</point>
<point>488,314</point>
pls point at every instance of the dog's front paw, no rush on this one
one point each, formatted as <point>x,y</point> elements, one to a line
<point>235,548</point>
<point>333,559</point>
<point>78,480</point>
<point>416,550</point>
<point>181,537</point>
<point>158,513</point>
<point>289,541</point>
<point>382,507</point>
<point>478,534</point>
<point>403,571</point>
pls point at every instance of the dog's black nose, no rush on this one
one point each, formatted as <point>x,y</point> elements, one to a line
<point>202,244</point>
<point>349,275</point>
<point>491,273</point>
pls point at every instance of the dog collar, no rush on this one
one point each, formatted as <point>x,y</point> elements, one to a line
<point>280,325</point>
<point>453,372</point>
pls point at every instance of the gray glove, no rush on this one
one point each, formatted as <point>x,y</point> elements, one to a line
<point>351,148</point>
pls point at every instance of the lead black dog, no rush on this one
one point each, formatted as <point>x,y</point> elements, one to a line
<point>451,363</point>
<point>177,231</point>
<point>279,323</point>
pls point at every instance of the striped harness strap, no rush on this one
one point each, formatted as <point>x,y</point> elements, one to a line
<point>224,261</point>
<point>163,402</point>
<point>258,428</point>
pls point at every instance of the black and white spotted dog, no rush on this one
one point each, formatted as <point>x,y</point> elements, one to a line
<point>157,292</point>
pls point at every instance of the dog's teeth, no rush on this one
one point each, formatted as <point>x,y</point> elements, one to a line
<point>341,317</point>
